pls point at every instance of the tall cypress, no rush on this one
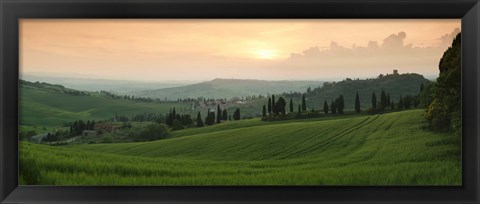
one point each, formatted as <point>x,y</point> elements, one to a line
<point>325,107</point>
<point>269,106</point>
<point>333,107</point>
<point>304,103</point>
<point>357,103</point>
<point>219,114</point>
<point>199,120</point>
<point>225,115</point>
<point>264,111</point>
<point>374,101</point>
<point>340,104</point>
<point>383,100</point>
<point>274,107</point>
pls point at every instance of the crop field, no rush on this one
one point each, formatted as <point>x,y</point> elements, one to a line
<point>387,149</point>
<point>41,108</point>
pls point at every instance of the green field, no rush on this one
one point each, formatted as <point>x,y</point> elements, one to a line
<point>388,149</point>
<point>39,107</point>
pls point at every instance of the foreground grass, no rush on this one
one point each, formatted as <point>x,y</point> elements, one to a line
<point>389,149</point>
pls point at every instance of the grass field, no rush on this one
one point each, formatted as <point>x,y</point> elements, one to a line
<point>41,108</point>
<point>388,149</point>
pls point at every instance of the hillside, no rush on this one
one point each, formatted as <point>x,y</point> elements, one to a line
<point>115,86</point>
<point>42,104</point>
<point>395,85</point>
<point>367,150</point>
<point>229,88</point>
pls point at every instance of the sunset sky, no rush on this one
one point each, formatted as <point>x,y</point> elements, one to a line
<point>199,50</point>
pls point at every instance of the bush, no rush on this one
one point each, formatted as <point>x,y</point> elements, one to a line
<point>107,139</point>
<point>154,131</point>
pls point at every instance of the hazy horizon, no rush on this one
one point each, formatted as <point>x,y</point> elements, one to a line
<point>202,50</point>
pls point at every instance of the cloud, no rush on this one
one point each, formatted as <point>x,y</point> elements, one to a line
<point>393,53</point>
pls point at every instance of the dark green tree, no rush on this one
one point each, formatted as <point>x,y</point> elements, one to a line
<point>357,103</point>
<point>274,107</point>
<point>340,104</point>
<point>374,101</point>
<point>269,106</point>
<point>333,107</point>
<point>264,111</point>
<point>225,115</point>
<point>325,107</point>
<point>280,106</point>
<point>383,100</point>
<point>304,103</point>
<point>236,114</point>
<point>199,120</point>
<point>219,114</point>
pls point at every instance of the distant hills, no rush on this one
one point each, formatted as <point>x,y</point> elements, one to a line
<point>229,88</point>
<point>395,84</point>
<point>115,86</point>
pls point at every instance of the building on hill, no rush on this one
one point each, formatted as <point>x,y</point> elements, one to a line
<point>395,72</point>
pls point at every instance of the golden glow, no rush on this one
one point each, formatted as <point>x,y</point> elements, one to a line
<point>203,49</point>
<point>266,54</point>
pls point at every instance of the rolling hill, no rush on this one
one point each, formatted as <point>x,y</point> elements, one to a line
<point>388,149</point>
<point>395,85</point>
<point>229,88</point>
<point>42,104</point>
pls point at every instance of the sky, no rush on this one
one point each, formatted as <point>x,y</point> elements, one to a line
<point>200,50</point>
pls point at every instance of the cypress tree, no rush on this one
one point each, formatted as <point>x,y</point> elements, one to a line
<point>333,107</point>
<point>274,108</point>
<point>291,105</point>
<point>304,103</point>
<point>383,100</point>
<point>340,104</point>
<point>299,109</point>
<point>225,115</point>
<point>219,114</point>
<point>374,101</point>
<point>199,120</point>
<point>357,103</point>
<point>325,107</point>
<point>264,111</point>
<point>269,106</point>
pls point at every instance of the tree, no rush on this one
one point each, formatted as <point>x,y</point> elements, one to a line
<point>225,115</point>
<point>374,101</point>
<point>219,114</point>
<point>280,106</point>
<point>210,119</point>
<point>444,110</point>
<point>299,110</point>
<point>325,107</point>
<point>383,100</point>
<point>304,103</point>
<point>291,105</point>
<point>357,103</point>
<point>340,104</point>
<point>264,111</point>
<point>199,120</point>
<point>269,106</point>
<point>333,107</point>
<point>177,125</point>
<point>274,110</point>
<point>236,114</point>
<point>153,131</point>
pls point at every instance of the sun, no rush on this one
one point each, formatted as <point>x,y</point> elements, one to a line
<point>265,54</point>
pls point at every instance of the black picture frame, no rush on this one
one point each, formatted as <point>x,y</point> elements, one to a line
<point>13,10</point>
